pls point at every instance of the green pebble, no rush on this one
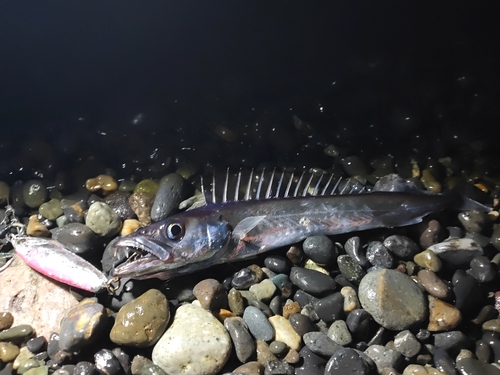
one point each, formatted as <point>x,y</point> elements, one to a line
<point>42,370</point>
<point>8,352</point>
<point>127,186</point>
<point>17,333</point>
<point>492,325</point>
<point>34,193</point>
<point>152,369</point>
<point>27,365</point>
<point>24,355</point>
<point>350,268</point>
<point>51,209</point>
<point>4,192</point>
<point>235,301</point>
<point>147,186</point>
<point>429,260</point>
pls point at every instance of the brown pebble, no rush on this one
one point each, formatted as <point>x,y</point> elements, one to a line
<point>102,182</point>
<point>442,315</point>
<point>431,235</point>
<point>430,182</point>
<point>8,352</point>
<point>264,355</point>
<point>259,274</point>
<point>292,356</point>
<point>492,325</point>
<point>211,294</point>
<point>295,254</point>
<point>433,284</point>
<point>141,204</point>
<point>250,368</point>
<point>35,228</point>
<point>6,320</point>
<point>235,301</point>
<point>223,314</point>
<point>487,312</point>
<point>129,226</point>
<point>291,308</point>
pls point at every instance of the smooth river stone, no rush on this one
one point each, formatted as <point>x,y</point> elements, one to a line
<point>195,344</point>
<point>141,322</point>
<point>284,332</point>
<point>244,344</point>
<point>392,298</point>
<point>442,315</point>
<point>311,281</point>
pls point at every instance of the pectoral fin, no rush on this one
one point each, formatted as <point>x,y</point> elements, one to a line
<point>242,229</point>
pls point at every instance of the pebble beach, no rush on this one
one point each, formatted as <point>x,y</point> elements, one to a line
<point>410,300</point>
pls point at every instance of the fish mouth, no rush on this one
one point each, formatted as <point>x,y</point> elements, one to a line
<point>140,256</point>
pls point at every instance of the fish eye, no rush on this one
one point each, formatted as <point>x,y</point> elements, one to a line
<point>175,231</point>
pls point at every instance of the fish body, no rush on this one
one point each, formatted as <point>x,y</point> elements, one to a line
<point>236,230</point>
<point>52,259</point>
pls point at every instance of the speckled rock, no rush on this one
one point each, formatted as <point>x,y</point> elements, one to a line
<point>284,332</point>
<point>264,290</point>
<point>406,343</point>
<point>141,322</point>
<point>82,325</point>
<point>384,357</point>
<point>258,324</point>
<point>405,248</point>
<point>141,204</point>
<point>235,301</point>
<point>119,202</point>
<point>442,315</point>
<point>319,343</point>
<point>195,344</point>
<point>350,268</point>
<point>34,193</point>
<point>339,333</point>
<point>103,220</point>
<point>36,301</point>
<point>168,196</point>
<point>392,298</point>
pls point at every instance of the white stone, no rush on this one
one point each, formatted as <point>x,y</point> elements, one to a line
<point>195,344</point>
<point>285,332</point>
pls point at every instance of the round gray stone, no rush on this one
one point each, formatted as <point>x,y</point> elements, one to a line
<point>392,298</point>
<point>258,324</point>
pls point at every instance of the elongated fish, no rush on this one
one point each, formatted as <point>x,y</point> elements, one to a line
<point>236,229</point>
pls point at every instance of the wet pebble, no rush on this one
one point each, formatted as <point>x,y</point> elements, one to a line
<point>442,316</point>
<point>284,332</point>
<point>277,263</point>
<point>141,204</point>
<point>244,278</point>
<point>278,348</point>
<point>82,325</point>
<point>278,368</point>
<point>431,235</point>
<point>27,365</point>
<point>6,320</point>
<point>168,196</point>
<point>403,247</point>
<point>384,357</point>
<point>429,260</point>
<point>235,302</point>
<point>339,333</point>
<point>17,334</point>
<point>76,237</point>
<point>301,324</point>
<point>183,345</point>
<point>283,284</point>
<point>141,322</point>
<point>421,370</point>
<point>258,324</point>
<point>351,301</point>
<point>465,290</point>
<point>295,254</point>
<point>24,355</point>
<point>320,249</point>
<point>103,220</point>
<point>34,193</point>
<point>351,269</point>
<point>243,342</point>
<point>312,363</point>
<point>392,298</point>
<point>75,213</point>
<point>407,344</point>
<point>103,182</point>
<point>119,202</point>
<point>106,363</point>
<point>378,255</point>
<point>433,284</point>
<point>471,366</point>
<point>457,251</point>
<point>451,340</point>
<point>51,209</point>
<point>35,228</point>
<point>264,290</point>
<point>358,322</point>
<point>473,221</point>
<point>211,294</point>
<point>346,361</point>
<point>330,308</point>
<point>311,281</point>
<point>36,344</point>
<point>249,368</point>
<point>8,352</point>
<point>482,269</point>
<point>319,343</point>
<point>264,354</point>
<point>353,248</point>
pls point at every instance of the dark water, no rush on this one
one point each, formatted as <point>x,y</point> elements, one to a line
<point>370,78</point>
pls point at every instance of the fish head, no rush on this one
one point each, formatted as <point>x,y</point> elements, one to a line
<point>180,240</point>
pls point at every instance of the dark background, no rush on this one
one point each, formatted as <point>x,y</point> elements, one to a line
<point>366,74</point>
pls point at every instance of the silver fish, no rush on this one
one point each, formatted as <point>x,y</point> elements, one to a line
<point>236,229</point>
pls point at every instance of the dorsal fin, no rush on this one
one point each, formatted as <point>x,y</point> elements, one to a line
<point>296,192</point>
<point>249,186</point>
